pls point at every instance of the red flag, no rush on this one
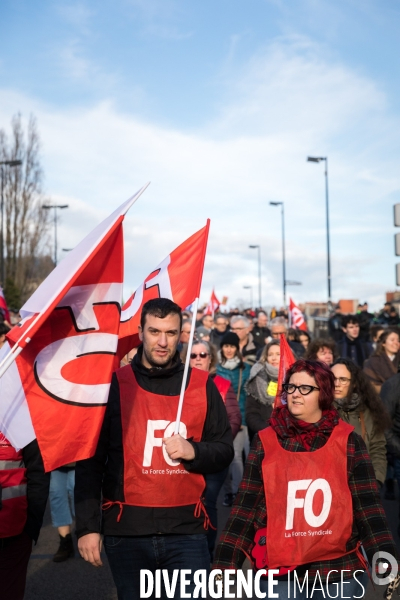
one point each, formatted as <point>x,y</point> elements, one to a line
<point>64,371</point>
<point>296,317</point>
<point>285,362</point>
<point>213,305</point>
<point>178,277</point>
<point>3,306</point>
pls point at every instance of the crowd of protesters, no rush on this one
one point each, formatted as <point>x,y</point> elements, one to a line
<point>343,389</point>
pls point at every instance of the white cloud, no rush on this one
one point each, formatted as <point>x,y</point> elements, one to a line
<point>286,104</point>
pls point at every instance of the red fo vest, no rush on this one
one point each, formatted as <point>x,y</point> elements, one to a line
<point>13,510</point>
<point>223,386</point>
<point>309,504</point>
<point>151,478</point>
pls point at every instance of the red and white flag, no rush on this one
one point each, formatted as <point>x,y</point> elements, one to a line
<point>296,317</point>
<point>178,277</point>
<point>57,388</point>
<point>285,362</point>
<point>213,305</point>
<point>4,307</point>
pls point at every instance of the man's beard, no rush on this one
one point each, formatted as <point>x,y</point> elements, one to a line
<point>162,363</point>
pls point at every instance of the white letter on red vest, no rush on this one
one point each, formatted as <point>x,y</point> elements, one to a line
<point>312,519</point>
<point>292,501</point>
<point>151,440</point>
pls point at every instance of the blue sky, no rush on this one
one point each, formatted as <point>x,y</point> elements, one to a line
<point>218,104</point>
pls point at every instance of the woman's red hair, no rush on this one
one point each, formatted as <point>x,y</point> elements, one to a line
<point>323,376</point>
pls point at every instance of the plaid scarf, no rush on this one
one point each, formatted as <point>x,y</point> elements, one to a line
<point>286,425</point>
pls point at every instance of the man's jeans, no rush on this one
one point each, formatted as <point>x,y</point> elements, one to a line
<point>128,555</point>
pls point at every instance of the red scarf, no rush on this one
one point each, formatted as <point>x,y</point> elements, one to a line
<point>286,425</point>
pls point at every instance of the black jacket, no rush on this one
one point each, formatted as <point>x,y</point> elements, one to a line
<point>38,483</point>
<point>355,350</point>
<point>390,394</point>
<point>104,473</point>
<point>259,335</point>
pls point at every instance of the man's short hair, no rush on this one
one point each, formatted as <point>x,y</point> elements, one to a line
<point>350,319</point>
<point>236,319</point>
<point>280,321</point>
<point>161,308</point>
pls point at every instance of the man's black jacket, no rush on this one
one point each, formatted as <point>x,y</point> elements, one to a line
<point>390,394</point>
<point>104,473</point>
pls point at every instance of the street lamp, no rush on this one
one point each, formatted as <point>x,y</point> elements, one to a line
<point>318,159</point>
<point>283,249</point>
<point>259,273</point>
<point>4,163</point>
<point>55,206</point>
<point>249,287</point>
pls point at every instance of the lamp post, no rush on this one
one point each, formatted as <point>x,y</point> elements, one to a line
<point>317,159</point>
<point>259,273</point>
<point>281,204</point>
<point>4,163</point>
<point>55,206</point>
<point>249,287</point>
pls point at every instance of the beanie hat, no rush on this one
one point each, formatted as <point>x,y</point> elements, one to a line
<point>230,339</point>
<point>202,332</point>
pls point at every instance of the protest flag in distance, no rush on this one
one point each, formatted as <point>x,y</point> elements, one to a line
<point>213,305</point>
<point>296,317</point>
<point>63,373</point>
<point>178,277</point>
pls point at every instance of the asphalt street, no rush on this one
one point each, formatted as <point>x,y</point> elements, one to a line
<point>74,579</point>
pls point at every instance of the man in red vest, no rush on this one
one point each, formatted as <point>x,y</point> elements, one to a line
<point>24,488</point>
<point>150,480</point>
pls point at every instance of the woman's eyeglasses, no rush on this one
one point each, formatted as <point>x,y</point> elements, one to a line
<point>303,389</point>
<point>342,379</point>
<point>201,355</point>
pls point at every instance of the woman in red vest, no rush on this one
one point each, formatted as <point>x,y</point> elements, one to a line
<point>308,498</point>
<point>204,357</point>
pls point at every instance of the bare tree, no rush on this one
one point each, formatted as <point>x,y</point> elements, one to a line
<point>26,223</point>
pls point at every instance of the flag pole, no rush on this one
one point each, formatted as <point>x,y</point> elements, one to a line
<point>186,370</point>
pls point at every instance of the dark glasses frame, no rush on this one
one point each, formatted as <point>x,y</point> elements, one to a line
<point>290,388</point>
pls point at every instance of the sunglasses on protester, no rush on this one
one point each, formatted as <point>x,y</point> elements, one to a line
<point>200,355</point>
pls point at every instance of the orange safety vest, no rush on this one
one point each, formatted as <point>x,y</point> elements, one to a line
<point>151,478</point>
<point>14,504</point>
<point>223,386</point>
<point>309,504</point>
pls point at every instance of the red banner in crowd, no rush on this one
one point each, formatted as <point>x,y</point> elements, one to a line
<point>178,277</point>
<point>4,307</point>
<point>285,362</point>
<point>297,319</point>
<point>213,305</point>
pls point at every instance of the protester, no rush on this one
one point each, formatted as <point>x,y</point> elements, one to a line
<point>350,346</point>
<point>307,440</point>
<point>185,331</point>
<point>233,367</point>
<point>394,318</point>
<point>204,357</point>
<point>335,324</point>
<point>3,332</point>
<point>304,339</point>
<point>150,518</point>
<point>203,334</point>
<point>359,405</point>
<point>322,350</point>
<point>375,332</point>
<point>241,326</point>
<point>260,330</point>
<point>262,387</point>
<point>390,394</point>
<point>278,326</point>
<point>221,326</point>
<point>207,321</point>
<point>384,363</point>
<point>365,319</point>
<point>384,314</point>
<point>62,482</point>
<point>24,489</point>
